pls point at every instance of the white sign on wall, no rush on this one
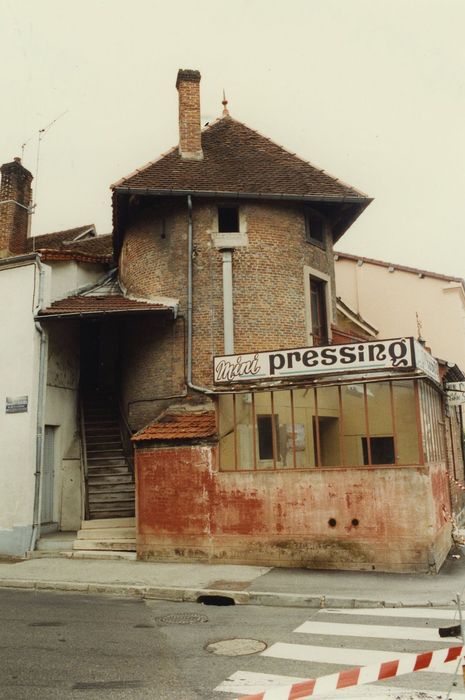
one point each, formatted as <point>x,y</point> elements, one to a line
<point>398,353</point>
<point>16,405</point>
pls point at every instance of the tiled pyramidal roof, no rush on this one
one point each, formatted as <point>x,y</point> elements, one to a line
<point>188,425</point>
<point>237,159</point>
<point>103,298</point>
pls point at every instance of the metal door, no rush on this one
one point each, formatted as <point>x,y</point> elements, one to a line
<point>48,473</point>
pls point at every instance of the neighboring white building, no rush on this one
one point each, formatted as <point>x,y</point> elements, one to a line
<point>402,300</point>
<point>39,369</point>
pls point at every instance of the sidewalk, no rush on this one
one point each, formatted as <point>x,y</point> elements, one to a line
<point>244,584</point>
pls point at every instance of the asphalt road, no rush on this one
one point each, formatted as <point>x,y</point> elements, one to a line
<point>94,647</point>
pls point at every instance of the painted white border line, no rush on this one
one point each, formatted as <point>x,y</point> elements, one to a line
<point>346,629</point>
<point>420,613</point>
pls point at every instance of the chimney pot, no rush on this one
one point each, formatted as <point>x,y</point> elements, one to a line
<point>190,141</point>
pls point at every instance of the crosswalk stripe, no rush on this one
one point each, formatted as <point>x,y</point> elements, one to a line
<point>342,629</point>
<point>250,683</point>
<point>422,613</point>
<point>337,655</point>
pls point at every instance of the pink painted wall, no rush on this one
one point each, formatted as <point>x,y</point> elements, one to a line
<point>187,509</point>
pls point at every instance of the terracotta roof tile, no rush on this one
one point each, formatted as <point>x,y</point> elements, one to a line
<point>78,305</point>
<point>238,160</point>
<point>62,245</point>
<point>179,426</point>
<point>57,238</point>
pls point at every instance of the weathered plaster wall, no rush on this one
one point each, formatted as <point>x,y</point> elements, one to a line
<point>187,509</point>
<point>61,412</point>
<point>19,357</point>
<point>71,275</point>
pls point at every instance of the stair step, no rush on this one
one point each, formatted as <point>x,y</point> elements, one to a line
<point>111,496</point>
<point>115,479</point>
<point>111,533</point>
<point>106,461</point>
<point>120,545</point>
<point>108,523</point>
<point>106,454</point>
<point>127,487</point>
<point>107,471</point>
<point>95,515</point>
<point>101,446</point>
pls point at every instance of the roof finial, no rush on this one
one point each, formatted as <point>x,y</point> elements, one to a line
<point>225,106</point>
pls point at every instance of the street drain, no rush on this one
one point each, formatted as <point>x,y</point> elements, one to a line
<point>46,624</point>
<point>216,600</point>
<point>236,647</point>
<point>182,619</point>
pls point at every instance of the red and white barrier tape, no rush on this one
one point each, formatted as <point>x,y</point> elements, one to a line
<point>358,676</point>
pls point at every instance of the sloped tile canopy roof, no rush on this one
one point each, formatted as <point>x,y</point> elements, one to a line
<point>106,297</point>
<point>179,426</point>
<point>240,162</point>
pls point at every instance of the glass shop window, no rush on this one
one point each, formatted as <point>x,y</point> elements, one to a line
<point>351,425</point>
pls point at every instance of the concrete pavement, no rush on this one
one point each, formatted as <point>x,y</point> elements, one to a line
<point>244,584</point>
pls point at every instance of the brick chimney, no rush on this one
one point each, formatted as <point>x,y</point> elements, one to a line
<point>15,200</point>
<point>190,143</point>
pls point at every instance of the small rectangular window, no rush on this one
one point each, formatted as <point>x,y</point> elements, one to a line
<point>314,227</point>
<point>228,219</point>
<point>265,436</point>
<point>381,448</point>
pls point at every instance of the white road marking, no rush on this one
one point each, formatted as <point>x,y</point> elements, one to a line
<point>345,657</point>
<point>342,629</point>
<point>249,683</point>
<point>422,613</point>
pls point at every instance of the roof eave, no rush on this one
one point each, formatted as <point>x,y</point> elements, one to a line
<point>95,314</point>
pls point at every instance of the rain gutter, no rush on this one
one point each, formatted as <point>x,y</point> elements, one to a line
<point>190,261</point>
<point>337,199</point>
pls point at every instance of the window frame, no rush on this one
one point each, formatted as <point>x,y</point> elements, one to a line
<point>309,214</point>
<point>309,273</point>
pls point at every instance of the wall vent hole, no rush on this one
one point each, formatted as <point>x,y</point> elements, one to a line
<point>332,522</point>
<point>355,522</point>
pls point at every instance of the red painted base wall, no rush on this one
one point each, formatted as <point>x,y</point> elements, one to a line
<point>386,519</point>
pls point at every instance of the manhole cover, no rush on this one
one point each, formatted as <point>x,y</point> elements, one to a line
<point>182,619</point>
<point>236,647</point>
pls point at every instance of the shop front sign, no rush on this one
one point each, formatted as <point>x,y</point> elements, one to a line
<point>387,355</point>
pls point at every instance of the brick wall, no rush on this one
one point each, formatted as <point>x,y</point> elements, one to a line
<point>152,367</point>
<point>14,220</point>
<point>268,274</point>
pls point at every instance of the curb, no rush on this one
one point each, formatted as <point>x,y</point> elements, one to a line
<point>192,595</point>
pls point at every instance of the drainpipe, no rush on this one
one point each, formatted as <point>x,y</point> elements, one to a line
<point>228,316</point>
<point>190,252</point>
<point>40,409</point>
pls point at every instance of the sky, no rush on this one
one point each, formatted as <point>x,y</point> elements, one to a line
<point>373,91</point>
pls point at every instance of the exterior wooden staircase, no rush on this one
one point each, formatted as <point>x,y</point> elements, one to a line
<point>108,471</point>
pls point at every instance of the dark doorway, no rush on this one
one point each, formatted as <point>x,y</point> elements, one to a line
<point>99,355</point>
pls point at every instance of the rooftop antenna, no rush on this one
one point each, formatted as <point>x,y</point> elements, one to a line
<point>42,133</point>
<point>23,146</point>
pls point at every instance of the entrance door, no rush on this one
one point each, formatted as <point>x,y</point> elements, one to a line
<point>48,474</point>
